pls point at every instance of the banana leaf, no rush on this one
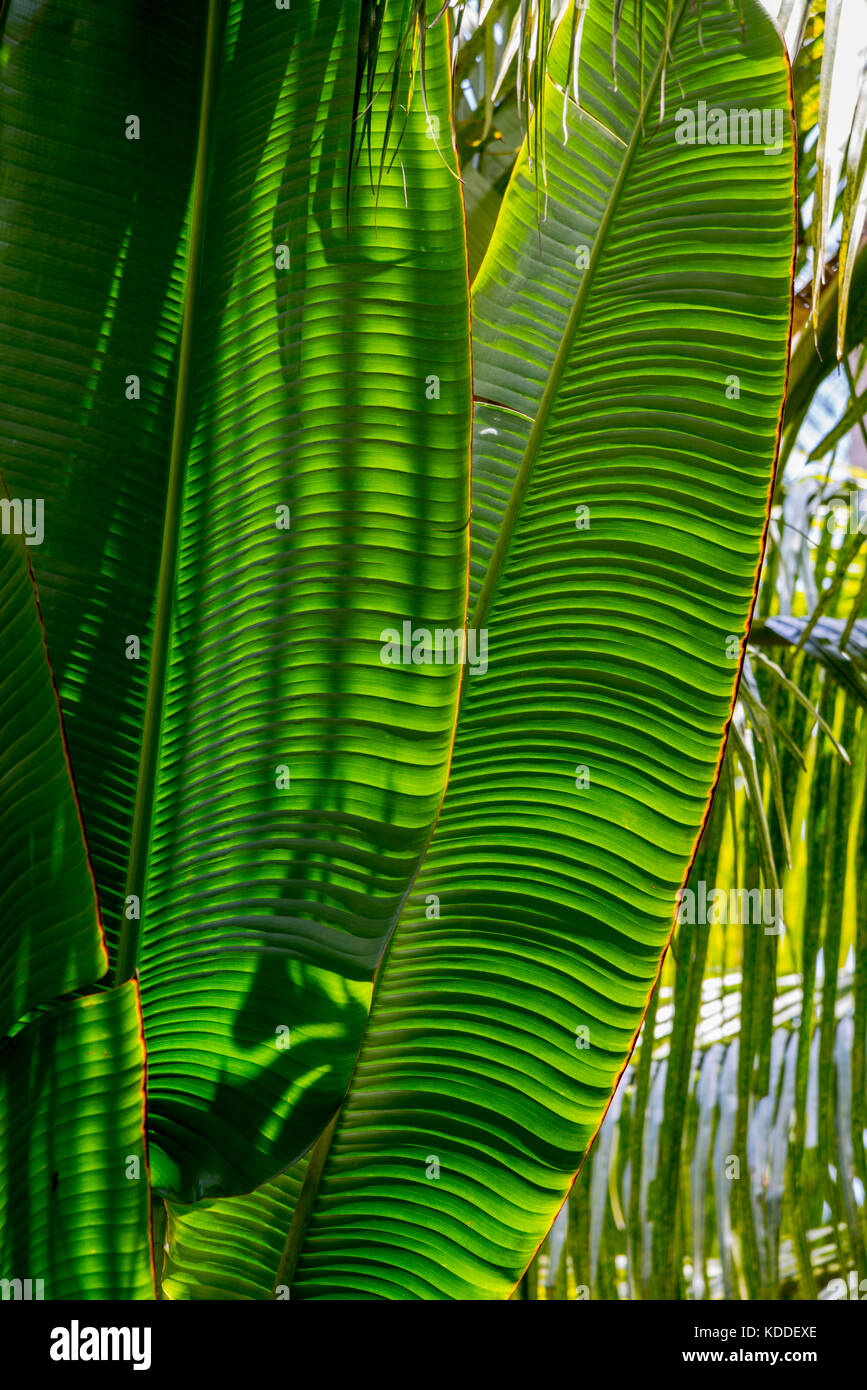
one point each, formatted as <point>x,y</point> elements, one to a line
<point>248,413</point>
<point>632,348</point>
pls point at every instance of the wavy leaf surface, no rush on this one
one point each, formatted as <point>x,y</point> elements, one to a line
<point>249,416</point>
<point>320,500</point>
<point>585,758</point>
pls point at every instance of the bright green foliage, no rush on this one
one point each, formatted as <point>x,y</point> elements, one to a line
<point>230,1248</point>
<point>299,435</point>
<point>498,1031</point>
<point>520,970</point>
<point>301,446</point>
<point>324,500</point>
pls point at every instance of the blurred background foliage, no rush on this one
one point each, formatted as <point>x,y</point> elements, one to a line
<point>731,1163</point>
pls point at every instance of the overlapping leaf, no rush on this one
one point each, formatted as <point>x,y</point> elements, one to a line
<point>231,1248</point>
<point>323,501</point>
<point>584,759</point>
<point>846,664</point>
<point>73,1172</point>
<point>253,389</point>
<point>45,869</point>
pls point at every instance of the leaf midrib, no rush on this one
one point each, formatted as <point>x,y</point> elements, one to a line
<point>496,565</point>
<point>131,929</point>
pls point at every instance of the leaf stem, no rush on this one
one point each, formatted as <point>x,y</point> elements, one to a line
<point>304,1207</point>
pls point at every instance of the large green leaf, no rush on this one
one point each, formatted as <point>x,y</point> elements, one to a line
<point>304,359</point>
<point>50,937</point>
<point>520,971</point>
<point>73,1169</point>
<point>337,387</point>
